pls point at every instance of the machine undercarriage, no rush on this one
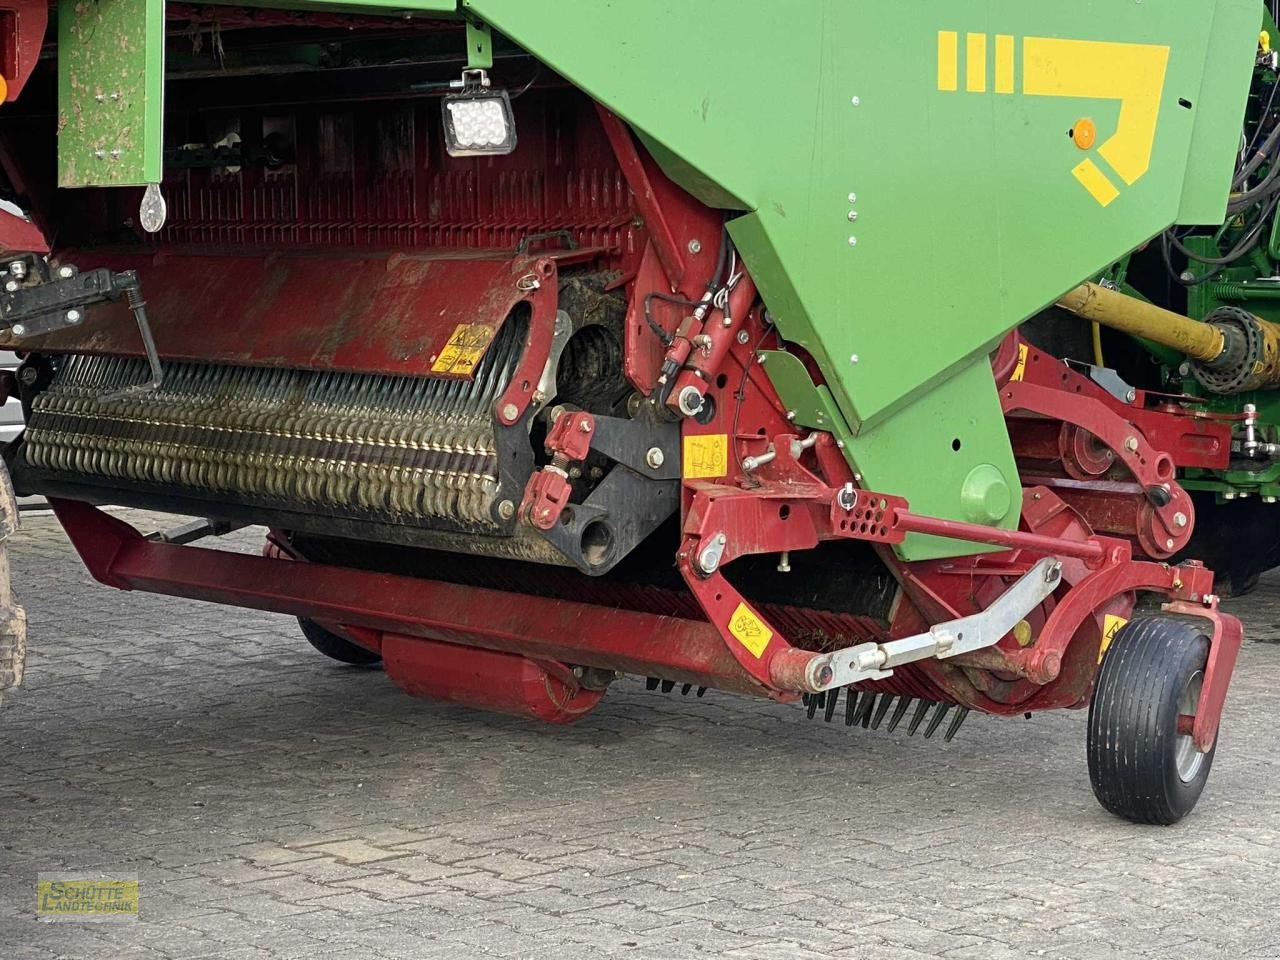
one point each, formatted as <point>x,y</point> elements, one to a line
<point>525,422</point>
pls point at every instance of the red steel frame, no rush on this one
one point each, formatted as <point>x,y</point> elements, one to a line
<point>791,504</point>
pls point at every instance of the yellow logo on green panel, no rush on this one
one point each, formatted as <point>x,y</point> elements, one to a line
<point>1131,73</point>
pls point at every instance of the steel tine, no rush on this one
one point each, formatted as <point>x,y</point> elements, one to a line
<point>701,691</point>
<point>936,720</point>
<point>860,713</point>
<point>813,704</point>
<point>850,705</point>
<point>651,683</point>
<point>885,703</point>
<point>918,716</point>
<point>684,691</point>
<point>903,705</point>
<point>804,698</point>
<point>956,721</point>
<point>867,708</point>
<point>668,686</point>
<point>833,697</point>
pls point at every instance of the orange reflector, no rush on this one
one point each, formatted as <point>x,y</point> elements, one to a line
<point>1084,133</point>
<point>4,88</point>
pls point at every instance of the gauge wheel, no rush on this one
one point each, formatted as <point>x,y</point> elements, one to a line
<point>334,646</point>
<point>1141,767</point>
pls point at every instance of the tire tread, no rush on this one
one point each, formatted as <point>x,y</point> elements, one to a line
<point>1133,716</point>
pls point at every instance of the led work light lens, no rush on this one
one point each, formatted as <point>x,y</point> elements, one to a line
<point>479,125</point>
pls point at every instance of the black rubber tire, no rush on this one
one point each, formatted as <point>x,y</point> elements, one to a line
<point>334,647</point>
<point>1133,721</point>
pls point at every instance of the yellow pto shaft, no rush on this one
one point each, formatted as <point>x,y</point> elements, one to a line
<point>1111,308</point>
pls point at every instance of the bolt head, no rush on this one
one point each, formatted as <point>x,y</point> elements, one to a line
<point>18,269</point>
<point>1168,544</point>
<point>1131,396</point>
<point>856,101</point>
<point>28,375</point>
<point>510,411</point>
<point>66,272</point>
<point>791,415</point>
<point>853,216</point>
<point>74,316</point>
<point>584,426</point>
<point>1131,444</point>
<point>743,336</point>
<point>1179,519</point>
<point>19,330</point>
<point>695,247</point>
<point>690,402</point>
<point>853,241</point>
<point>655,458</point>
<point>11,286</point>
<point>854,359</point>
<point>506,509</point>
<point>853,198</point>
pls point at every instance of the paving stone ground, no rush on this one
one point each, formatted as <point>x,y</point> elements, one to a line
<point>277,805</point>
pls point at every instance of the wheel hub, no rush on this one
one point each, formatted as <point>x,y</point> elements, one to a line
<point>1188,758</point>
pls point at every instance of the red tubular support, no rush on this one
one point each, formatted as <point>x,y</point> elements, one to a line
<point>648,203</point>
<point>1089,550</point>
<point>686,651</point>
<point>1224,646</point>
<point>501,682</point>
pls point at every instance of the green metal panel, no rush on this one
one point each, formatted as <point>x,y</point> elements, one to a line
<point>110,92</point>
<point>975,205</point>
<point>1215,139</point>
<point>949,413</point>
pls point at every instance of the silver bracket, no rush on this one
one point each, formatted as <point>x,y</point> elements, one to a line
<point>875,661</point>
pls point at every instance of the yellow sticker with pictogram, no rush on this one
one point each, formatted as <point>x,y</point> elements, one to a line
<point>462,354</point>
<point>1111,625</point>
<point>750,630</point>
<point>706,456</point>
<point>1020,370</point>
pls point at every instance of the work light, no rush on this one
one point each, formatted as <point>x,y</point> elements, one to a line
<point>477,120</point>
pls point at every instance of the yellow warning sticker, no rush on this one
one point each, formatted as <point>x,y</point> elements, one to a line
<point>462,353</point>
<point>750,630</point>
<point>1020,370</point>
<point>1111,624</point>
<point>706,456</point>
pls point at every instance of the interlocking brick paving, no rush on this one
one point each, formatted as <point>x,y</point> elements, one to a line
<point>275,805</point>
